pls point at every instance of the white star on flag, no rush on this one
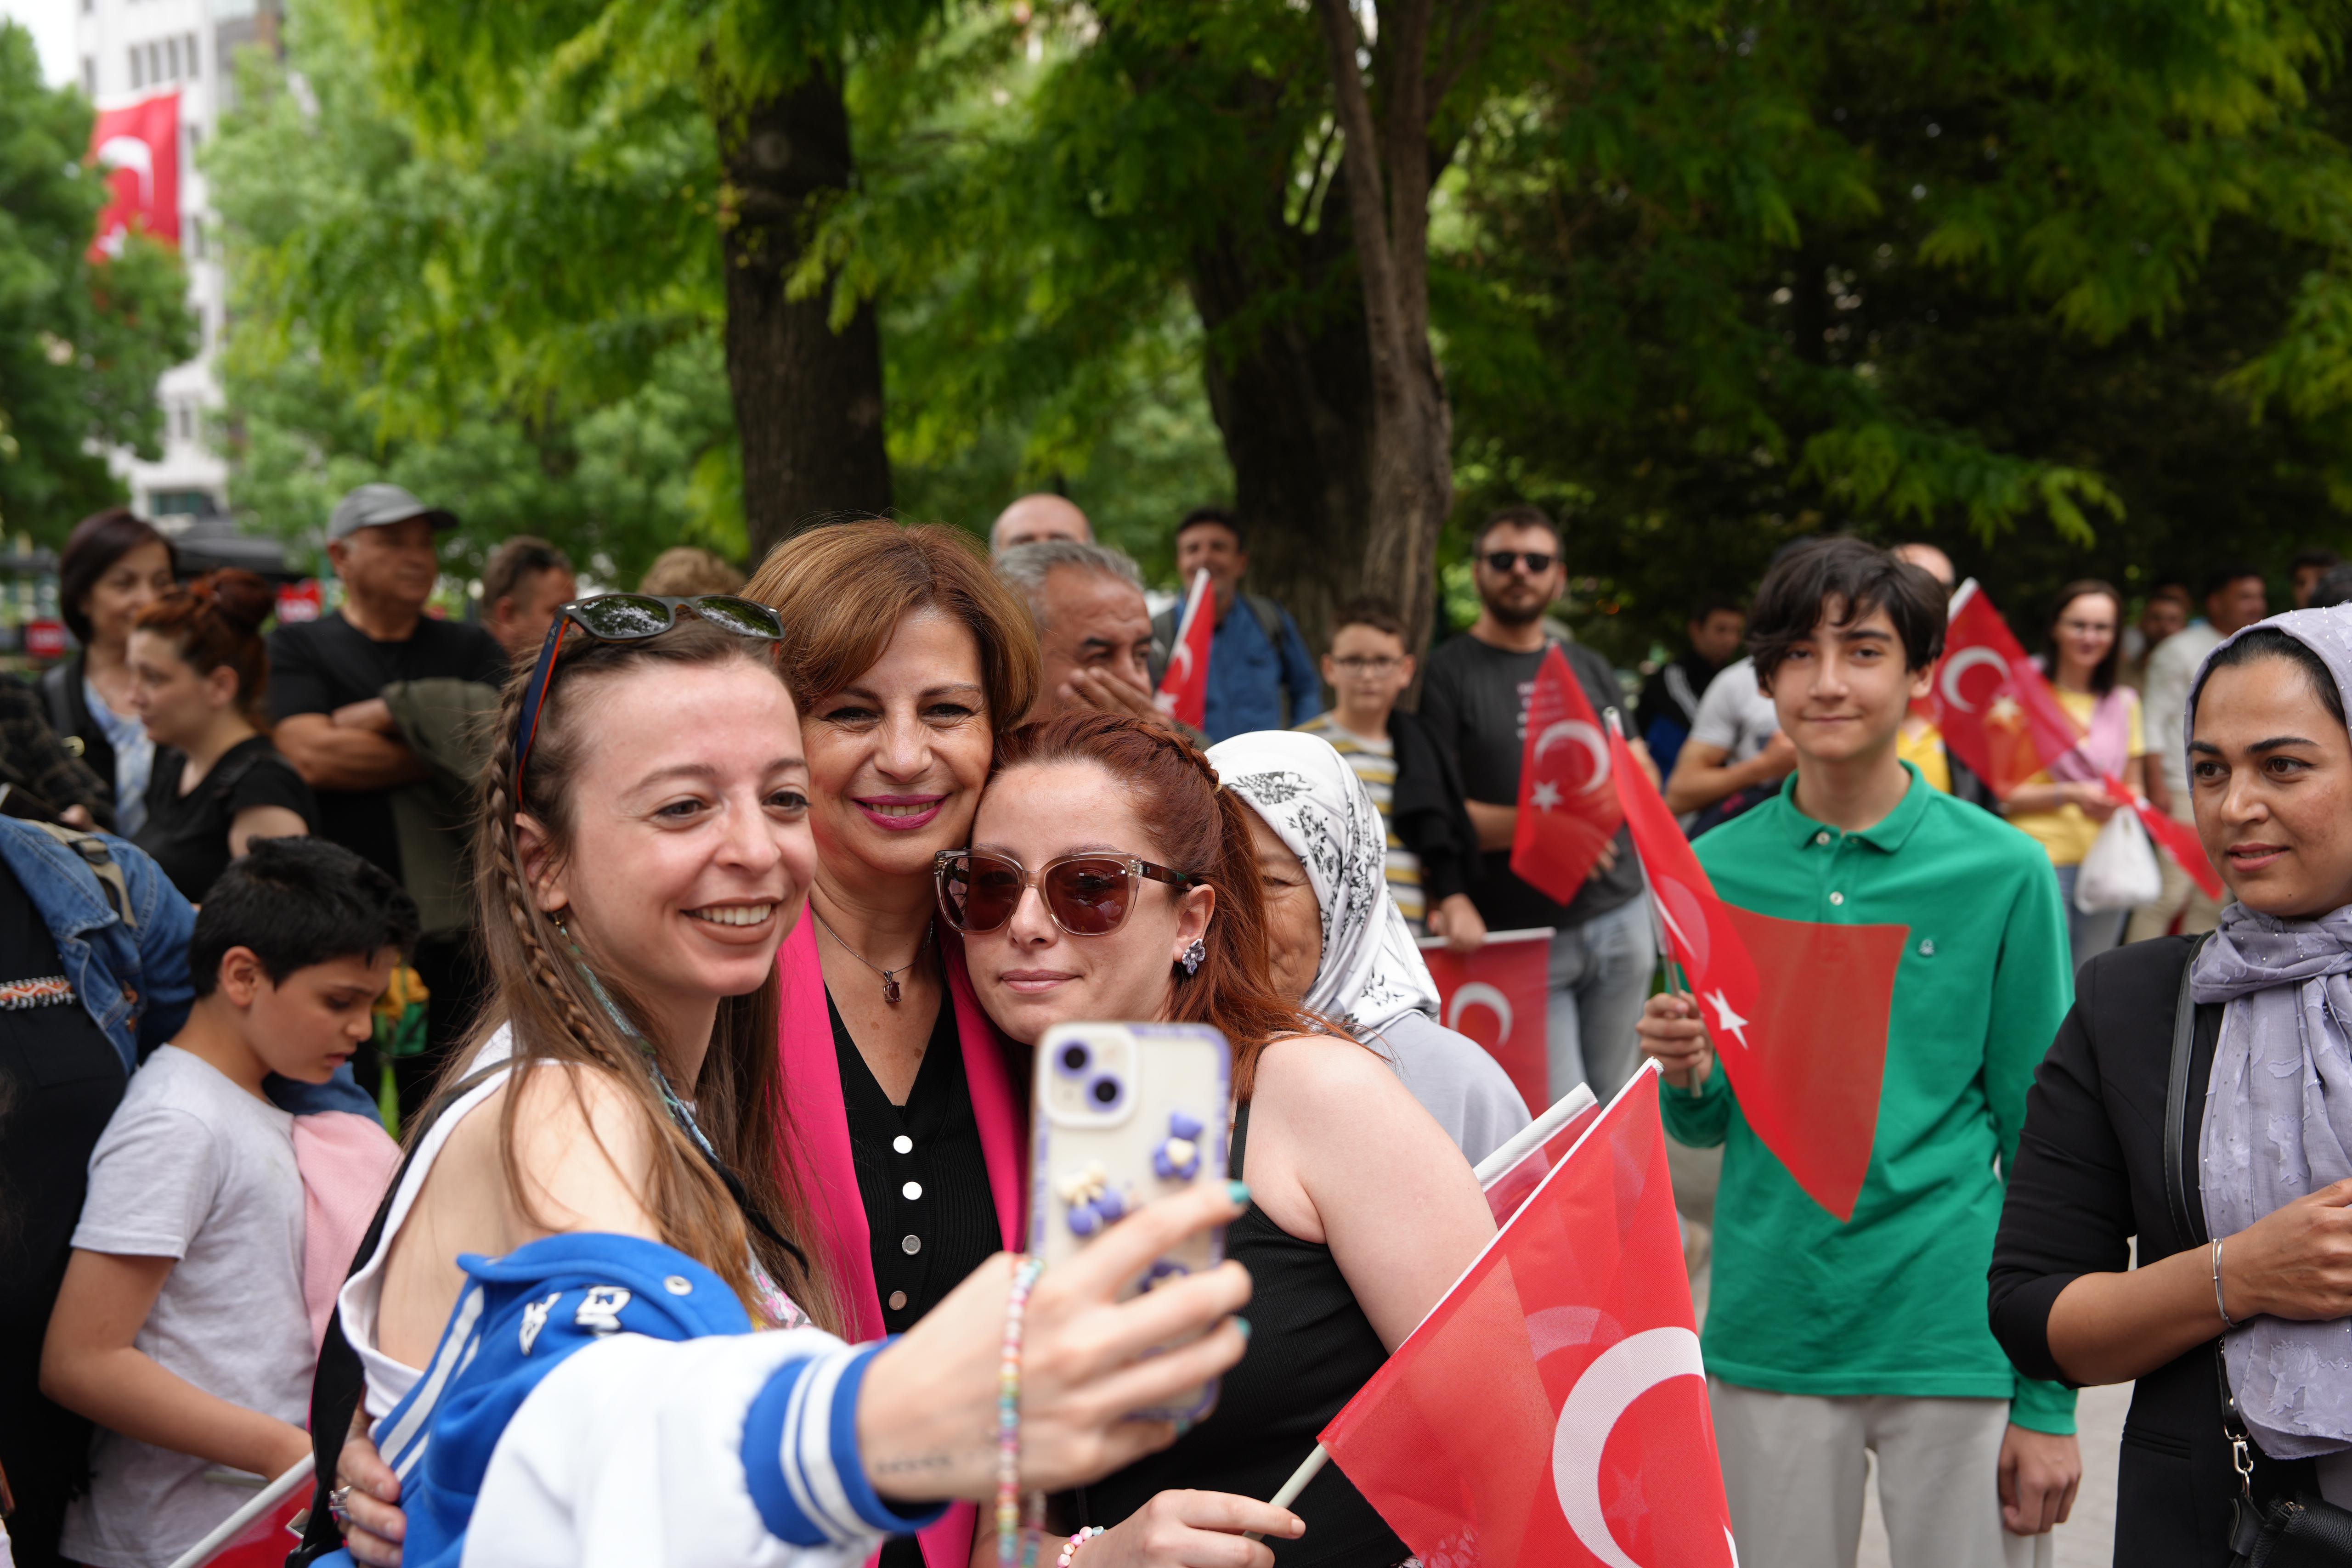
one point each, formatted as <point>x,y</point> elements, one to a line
<point>1725,1021</point>
<point>1544,796</point>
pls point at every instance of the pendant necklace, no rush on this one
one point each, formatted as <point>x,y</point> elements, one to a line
<point>889,976</point>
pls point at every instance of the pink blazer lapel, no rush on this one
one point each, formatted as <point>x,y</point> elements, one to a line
<point>820,1120</point>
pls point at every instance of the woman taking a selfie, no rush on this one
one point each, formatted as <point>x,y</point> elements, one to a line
<point>2062,810</point>
<point>2199,1097</point>
<point>1110,878</point>
<point>200,685</point>
<point>644,848</point>
<point>907,659</point>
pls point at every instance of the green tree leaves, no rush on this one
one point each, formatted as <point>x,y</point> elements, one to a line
<point>81,343</point>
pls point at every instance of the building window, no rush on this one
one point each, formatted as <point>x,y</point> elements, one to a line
<point>154,62</point>
<point>171,58</point>
<point>190,46</point>
<point>88,77</point>
<point>137,81</point>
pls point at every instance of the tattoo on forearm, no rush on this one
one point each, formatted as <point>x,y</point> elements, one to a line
<point>922,1462</point>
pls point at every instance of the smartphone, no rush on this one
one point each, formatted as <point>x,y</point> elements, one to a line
<point>1126,1113</point>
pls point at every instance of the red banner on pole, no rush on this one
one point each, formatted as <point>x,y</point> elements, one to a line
<point>138,144</point>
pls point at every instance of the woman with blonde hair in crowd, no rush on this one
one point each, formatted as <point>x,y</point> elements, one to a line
<point>617,1133</point>
<point>200,685</point>
<point>1110,876</point>
<point>908,660</point>
<point>682,570</point>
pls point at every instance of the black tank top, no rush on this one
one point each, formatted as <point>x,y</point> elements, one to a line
<point>1310,1349</point>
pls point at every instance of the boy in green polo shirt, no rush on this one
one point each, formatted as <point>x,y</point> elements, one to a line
<point>1824,1339</point>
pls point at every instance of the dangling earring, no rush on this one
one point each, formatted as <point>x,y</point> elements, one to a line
<point>1193,956</point>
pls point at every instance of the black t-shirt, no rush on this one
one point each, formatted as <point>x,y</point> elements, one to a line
<point>318,666</point>
<point>188,834</point>
<point>60,1079</point>
<point>1474,698</point>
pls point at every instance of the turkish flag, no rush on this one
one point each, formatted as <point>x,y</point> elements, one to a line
<point>140,147</point>
<point>1511,1174</point>
<point>1499,996</point>
<point>1994,707</point>
<point>2180,839</point>
<point>1184,692</point>
<point>1553,1408</point>
<point>1797,1011</point>
<point>1568,804</point>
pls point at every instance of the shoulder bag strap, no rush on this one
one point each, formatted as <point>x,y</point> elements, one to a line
<point>340,1379</point>
<point>2185,1218</point>
<point>2246,1518</point>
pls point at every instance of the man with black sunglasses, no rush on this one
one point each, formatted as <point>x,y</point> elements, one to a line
<point>1474,699</point>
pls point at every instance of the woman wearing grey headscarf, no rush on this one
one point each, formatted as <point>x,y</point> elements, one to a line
<point>1341,946</point>
<point>2255,1251</point>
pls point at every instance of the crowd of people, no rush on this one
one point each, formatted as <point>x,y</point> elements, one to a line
<point>698,940</point>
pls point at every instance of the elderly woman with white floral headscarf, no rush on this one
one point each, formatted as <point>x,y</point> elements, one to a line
<point>1340,945</point>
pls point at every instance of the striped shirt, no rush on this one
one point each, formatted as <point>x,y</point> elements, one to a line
<point>1375,763</point>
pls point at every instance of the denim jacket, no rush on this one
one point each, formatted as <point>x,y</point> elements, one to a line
<point>134,984</point>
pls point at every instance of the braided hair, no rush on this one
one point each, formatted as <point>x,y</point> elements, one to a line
<point>543,991</point>
<point>1202,828</point>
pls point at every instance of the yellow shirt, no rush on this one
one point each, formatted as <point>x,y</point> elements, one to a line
<point>2068,832</point>
<point>1925,751</point>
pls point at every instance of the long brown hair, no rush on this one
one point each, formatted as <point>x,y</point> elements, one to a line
<point>2103,673</point>
<point>842,589</point>
<point>545,994</point>
<point>215,621</point>
<point>1200,827</point>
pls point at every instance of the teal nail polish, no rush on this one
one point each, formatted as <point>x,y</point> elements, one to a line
<point>1238,1191</point>
<point>1243,1325</point>
<point>1182,1428</point>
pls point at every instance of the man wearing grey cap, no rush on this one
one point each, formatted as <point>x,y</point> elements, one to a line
<point>326,681</point>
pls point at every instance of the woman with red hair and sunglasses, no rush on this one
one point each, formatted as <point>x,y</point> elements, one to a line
<point>1110,877</point>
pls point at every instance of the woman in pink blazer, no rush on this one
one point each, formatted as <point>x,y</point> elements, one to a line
<point>907,658</point>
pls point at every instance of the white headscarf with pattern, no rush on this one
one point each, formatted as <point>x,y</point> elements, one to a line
<point>1371,974</point>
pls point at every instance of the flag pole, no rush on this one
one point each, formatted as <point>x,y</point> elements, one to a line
<point>1307,1471</point>
<point>1676,979</point>
<point>229,1528</point>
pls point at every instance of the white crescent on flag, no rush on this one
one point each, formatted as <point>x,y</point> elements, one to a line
<point>131,152</point>
<point>1588,736</point>
<point>1686,919</point>
<point>1965,660</point>
<point>1478,993</point>
<point>1603,1392</point>
<point>1181,660</point>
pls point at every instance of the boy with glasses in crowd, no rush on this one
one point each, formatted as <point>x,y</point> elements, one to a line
<point>1432,849</point>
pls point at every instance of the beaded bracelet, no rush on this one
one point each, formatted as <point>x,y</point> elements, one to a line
<point>1008,1417</point>
<point>1070,1547</point>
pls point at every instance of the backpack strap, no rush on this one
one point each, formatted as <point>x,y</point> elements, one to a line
<point>100,859</point>
<point>340,1380</point>
<point>56,696</point>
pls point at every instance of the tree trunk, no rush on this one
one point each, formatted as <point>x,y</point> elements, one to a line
<point>808,399</point>
<point>1294,404</point>
<point>1387,177</point>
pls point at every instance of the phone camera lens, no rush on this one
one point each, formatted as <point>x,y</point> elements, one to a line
<point>1076,1057</point>
<point>1106,1091</point>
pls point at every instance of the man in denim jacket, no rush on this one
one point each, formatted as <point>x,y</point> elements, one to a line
<point>93,977</point>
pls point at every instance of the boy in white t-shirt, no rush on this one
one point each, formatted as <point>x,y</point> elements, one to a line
<point>181,1328</point>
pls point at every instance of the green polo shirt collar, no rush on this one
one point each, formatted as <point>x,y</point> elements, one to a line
<point>1889,833</point>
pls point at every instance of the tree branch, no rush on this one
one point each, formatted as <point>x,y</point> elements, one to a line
<point>1360,161</point>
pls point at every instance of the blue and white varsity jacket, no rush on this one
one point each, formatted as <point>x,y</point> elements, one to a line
<point>600,1401</point>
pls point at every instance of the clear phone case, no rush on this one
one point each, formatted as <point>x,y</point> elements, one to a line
<point>1125,1114</point>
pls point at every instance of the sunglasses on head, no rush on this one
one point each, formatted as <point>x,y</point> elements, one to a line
<point>1087,896</point>
<point>630,618</point>
<point>1538,562</point>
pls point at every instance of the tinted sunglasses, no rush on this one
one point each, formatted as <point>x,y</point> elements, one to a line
<point>629,618</point>
<point>1087,896</point>
<point>1499,561</point>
